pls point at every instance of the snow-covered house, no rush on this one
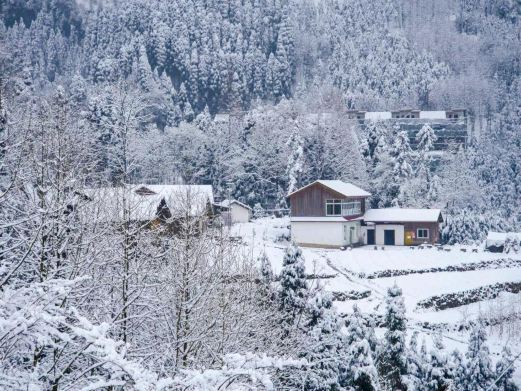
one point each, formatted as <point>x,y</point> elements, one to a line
<point>149,203</point>
<point>332,213</point>
<point>233,211</point>
<point>327,213</point>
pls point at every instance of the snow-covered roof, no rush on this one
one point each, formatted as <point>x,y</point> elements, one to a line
<point>378,115</point>
<point>226,203</point>
<point>324,219</point>
<point>384,115</point>
<point>341,187</point>
<point>498,238</point>
<point>402,215</point>
<point>141,202</point>
<point>433,114</point>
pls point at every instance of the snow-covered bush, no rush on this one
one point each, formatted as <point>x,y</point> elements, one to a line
<point>464,227</point>
<point>258,211</point>
<point>511,244</point>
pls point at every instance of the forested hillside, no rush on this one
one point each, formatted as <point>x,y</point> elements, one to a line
<point>187,63</point>
<point>250,96</point>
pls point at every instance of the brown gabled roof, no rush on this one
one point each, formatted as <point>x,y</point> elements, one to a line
<point>340,187</point>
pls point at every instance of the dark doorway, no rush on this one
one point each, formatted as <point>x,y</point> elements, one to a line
<point>370,236</point>
<point>389,237</point>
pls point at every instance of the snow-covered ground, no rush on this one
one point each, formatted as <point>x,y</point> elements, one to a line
<point>351,267</point>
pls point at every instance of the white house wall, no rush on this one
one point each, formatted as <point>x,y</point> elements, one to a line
<point>398,234</point>
<point>239,214</point>
<point>321,233</point>
<point>363,233</point>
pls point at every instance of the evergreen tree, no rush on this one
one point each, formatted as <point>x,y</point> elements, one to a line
<point>293,290</point>
<point>322,345</point>
<point>464,226</point>
<point>203,120</point>
<point>358,369</point>
<point>393,362</point>
<point>258,211</point>
<point>416,364</point>
<point>295,161</point>
<point>505,368</point>
<point>457,369</point>
<point>266,274</point>
<point>144,75</point>
<point>188,112</point>
<point>424,187</point>
<point>478,373</point>
<point>401,154</point>
<point>383,188</point>
<point>273,82</point>
<point>374,134</point>
<point>437,373</point>
<point>426,138</point>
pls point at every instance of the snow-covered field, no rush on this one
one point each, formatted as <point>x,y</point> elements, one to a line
<point>350,269</point>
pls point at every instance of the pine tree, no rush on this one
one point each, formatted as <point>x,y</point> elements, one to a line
<point>424,186</point>
<point>374,134</point>
<point>203,120</point>
<point>258,211</point>
<point>266,274</point>
<point>188,112</point>
<point>382,183</point>
<point>464,226</point>
<point>144,72</point>
<point>456,368</point>
<point>433,191</point>
<point>318,306</point>
<point>293,290</point>
<point>295,161</point>
<point>393,363</point>
<point>401,154</point>
<point>415,362</point>
<point>358,369</point>
<point>273,82</point>
<point>236,93</point>
<point>426,138</point>
<point>323,344</point>
<point>78,89</point>
<point>478,374</point>
<point>437,374</point>
<point>505,368</point>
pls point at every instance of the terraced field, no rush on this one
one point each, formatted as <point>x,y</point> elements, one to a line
<point>443,290</point>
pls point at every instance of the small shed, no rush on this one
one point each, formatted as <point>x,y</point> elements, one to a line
<point>496,240</point>
<point>234,211</point>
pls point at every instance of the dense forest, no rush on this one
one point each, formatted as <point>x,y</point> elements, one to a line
<point>286,72</point>
<point>250,96</point>
<point>281,67</point>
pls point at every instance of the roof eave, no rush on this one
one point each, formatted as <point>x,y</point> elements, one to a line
<point>367,194</point>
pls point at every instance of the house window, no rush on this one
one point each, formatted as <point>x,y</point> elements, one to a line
<point>422,233</point>
<point>343,208</point>
<point>351,208</point>
<point>333,207</point>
